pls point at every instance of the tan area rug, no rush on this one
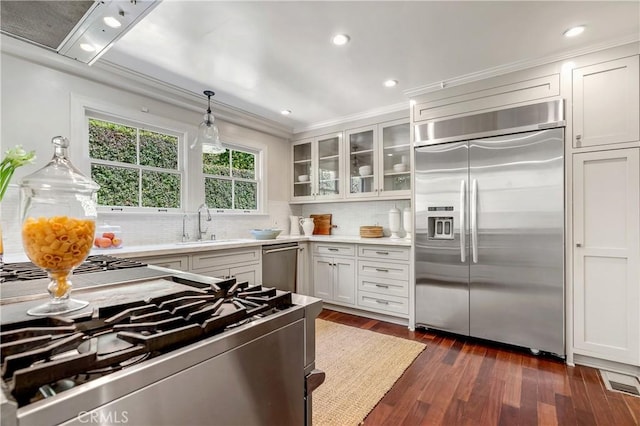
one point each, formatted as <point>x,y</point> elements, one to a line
<point>361,366</point>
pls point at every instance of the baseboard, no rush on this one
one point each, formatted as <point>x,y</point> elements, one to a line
<point>617,367</point>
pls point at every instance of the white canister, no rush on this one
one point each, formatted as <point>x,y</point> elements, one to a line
<point>307,225</point>
<point>394,222</point>
<point>295,225</point>
<point>407,221</point>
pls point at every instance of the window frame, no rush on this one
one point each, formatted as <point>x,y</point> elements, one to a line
<point>87,109</point>
<point>259,179</point>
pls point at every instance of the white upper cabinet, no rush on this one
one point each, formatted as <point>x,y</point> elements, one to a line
<point>378,163</point>
<point>362,162</point>
<point>606,103</point>
<point>317,165</point>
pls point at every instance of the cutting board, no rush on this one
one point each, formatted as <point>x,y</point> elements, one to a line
<point>322,224</point>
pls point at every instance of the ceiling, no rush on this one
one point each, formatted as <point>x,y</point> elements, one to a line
<point>267,56</point>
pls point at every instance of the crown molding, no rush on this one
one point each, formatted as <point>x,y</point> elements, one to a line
<point>118,77</point>
<point>517,66</point>
<point>372,113</point>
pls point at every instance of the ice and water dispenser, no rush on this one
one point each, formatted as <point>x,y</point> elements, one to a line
<point>440,223</point>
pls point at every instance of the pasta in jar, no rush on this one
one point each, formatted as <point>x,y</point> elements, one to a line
<point>58,244</point>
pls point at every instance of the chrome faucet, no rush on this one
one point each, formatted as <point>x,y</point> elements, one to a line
<point>201,231</point>
<point>185,234</point>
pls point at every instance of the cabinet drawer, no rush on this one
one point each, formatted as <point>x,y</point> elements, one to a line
<point>383,252</point>
<point>334,249</point>
<point>383,286</point>
<point>394,271</point>
<point>386,304</point>
<point>222,258</point>
<point>180,263</point>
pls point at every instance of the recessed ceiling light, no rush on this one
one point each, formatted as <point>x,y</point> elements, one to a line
<point>340,39</point>
<point>572,32</point>
<point>390,83</point>
<point>285,112</point>
<point>87,47</point>
<point>112,22</point>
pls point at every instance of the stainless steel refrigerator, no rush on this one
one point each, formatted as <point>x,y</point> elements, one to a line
<point>489,226</point>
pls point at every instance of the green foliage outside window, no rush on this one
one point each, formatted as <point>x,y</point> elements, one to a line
<point>118,185</point>
<point>230,181</point>
<point>136,185</point>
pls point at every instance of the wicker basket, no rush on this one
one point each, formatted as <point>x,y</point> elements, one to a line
<point>371,231</point>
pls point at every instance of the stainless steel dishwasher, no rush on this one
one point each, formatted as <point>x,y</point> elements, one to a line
<point>280,266</point>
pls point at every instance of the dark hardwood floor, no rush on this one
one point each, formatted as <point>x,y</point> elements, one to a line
<point>458,381</point>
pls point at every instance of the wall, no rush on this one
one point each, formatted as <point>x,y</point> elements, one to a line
<point>37,104</point>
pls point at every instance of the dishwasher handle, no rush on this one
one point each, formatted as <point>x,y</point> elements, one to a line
<point>279,249</point>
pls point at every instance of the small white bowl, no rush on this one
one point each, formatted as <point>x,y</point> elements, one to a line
<point>303,178</point>
<point>400,167</point>
<point>365,170</point>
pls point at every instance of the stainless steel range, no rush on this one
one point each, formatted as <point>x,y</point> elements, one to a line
<point>157,346</point>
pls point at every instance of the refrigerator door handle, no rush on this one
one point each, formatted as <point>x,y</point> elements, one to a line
<point>463,238</point>
<point>474,221</point>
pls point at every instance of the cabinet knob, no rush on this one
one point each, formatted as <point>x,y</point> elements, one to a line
<point>578,137</point>
<point>578,244</point>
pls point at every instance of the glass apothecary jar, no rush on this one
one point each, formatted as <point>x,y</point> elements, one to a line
<point>58,225</point>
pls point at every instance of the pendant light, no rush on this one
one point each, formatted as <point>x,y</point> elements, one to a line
<point>208,134</point>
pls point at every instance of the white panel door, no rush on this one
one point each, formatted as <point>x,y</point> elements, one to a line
<point>249,273</point>
<point>345,281</point>
<point>606,253</point>
<point>606,103</point>
<point>323,277</point>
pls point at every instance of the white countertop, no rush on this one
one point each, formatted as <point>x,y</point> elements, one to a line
<point>182,248</point>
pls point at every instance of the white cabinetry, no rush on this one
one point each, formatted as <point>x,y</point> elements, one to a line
<point>317,164</point>
<point>606,103</point>
<point>179,262</point>
<point>383,279</point>
<point>606,254</point>
<point>334,274</point>
<point>378,160</point>
<point>242,264</point>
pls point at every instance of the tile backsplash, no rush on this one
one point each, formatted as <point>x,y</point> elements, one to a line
<point>349,217</point>
<point>147,229</point>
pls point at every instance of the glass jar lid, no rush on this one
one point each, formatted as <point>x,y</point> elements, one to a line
<point>59,174</point>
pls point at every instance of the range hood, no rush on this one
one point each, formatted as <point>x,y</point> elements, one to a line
<point>75,28</point>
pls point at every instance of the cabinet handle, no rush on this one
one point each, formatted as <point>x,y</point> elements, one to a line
<point>578,137</point>
<point>382,302</point>
<point>382,286</point>
<point>578,244</point>
<point>382,270</point>
<point>382,252</point>
<point>333,249</point>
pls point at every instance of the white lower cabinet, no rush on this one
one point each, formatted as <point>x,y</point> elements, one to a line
<point>242,264</point>
<point>334,279</point>
<point>180,262</point>
<point>606,255</point>
<point>369,277</point>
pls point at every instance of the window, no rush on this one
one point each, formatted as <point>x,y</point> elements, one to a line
<point>231,180</point>
<point>134,167</point>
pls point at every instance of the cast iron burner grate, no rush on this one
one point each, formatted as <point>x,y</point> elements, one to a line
<point>40,353</point>
<point>24,271</point>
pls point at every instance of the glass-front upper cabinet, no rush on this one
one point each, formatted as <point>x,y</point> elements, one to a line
<point>362,161</point>
<point>329,166</point>
<point>317,165</point>
<point>302,169</point>
<point>394,158</point>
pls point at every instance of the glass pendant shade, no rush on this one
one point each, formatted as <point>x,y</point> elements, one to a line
<point>208,135</point>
